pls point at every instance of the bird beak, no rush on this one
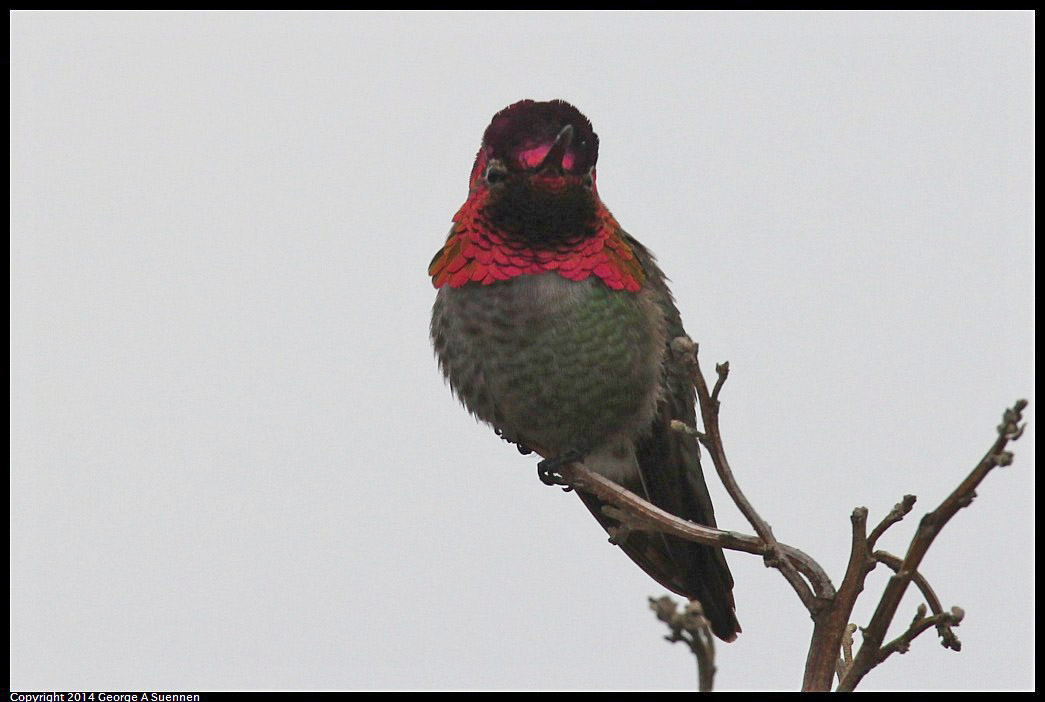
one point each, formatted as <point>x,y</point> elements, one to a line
<point>553,159</point>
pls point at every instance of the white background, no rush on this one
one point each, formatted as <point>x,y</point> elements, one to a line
<point>234,464</point>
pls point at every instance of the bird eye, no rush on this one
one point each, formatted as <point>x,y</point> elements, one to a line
<point>495,173</point>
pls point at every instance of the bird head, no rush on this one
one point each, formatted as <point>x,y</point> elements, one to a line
<point>535,173</point>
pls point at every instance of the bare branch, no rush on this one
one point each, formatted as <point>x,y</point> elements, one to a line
<point>819,589</point>
<point>831,648</point>
<point>830,625</point>
<point>692,627</point>
<point>899,511</point>
<point>947,637</point>
<point>870,653</point>
<point>723,372</point>
<point>920,624</point>
<point>846,661</point>
<point>636,514</point>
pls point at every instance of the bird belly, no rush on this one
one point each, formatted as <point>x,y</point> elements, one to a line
<point>552,363</point>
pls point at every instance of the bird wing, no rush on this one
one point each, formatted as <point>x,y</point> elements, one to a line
<point>670,477</point>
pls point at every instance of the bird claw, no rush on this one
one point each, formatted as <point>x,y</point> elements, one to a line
<point>523,448</point>
<point>548,469</point>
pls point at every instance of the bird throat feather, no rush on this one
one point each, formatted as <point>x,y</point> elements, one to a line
<point>529,230</point>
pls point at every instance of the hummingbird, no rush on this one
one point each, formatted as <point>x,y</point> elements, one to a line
<point>552,324</point>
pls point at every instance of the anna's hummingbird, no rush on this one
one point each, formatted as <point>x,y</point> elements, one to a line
<point>552,324</point>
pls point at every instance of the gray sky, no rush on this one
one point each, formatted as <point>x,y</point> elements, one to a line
<point>234,464</point>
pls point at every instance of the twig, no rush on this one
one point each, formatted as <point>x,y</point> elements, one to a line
<point>679,425</point>
<point>900,510</point>
<point>692,627</point>
<point>948,639</point>
<point>819,589</point>
<point>846,661</point>
<point>920,624</point>
<point>722,369</point>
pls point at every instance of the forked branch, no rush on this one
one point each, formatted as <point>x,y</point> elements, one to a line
<point>830,650</point>
<point>872,652</point>
<point>813,593</point>
<point>692,627</point>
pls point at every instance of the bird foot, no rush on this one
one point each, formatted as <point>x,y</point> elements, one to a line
<point>548,469</point>
<point>523,448</point>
